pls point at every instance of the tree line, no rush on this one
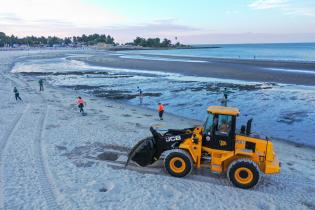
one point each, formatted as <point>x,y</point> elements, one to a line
<point>155,42</point>
<point>50,41</point>
<point>87,40</point>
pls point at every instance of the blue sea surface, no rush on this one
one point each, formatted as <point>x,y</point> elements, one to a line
<point>286,52</point>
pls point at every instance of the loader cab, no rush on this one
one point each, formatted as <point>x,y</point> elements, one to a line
<point>219,128</point>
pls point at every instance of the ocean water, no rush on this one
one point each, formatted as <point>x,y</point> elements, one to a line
<point>279,111</point>
<point>287,51</point>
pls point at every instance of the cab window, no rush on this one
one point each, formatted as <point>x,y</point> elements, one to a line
<point>224,125</point>
<point>208,124</point>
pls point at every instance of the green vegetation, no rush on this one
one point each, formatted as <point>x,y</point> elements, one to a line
<point>50,41</point>
<point>84,40</point>
<point>93,39</point>
<point>155,42</point>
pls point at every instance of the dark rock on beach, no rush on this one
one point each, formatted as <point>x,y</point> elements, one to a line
<point>120,94</point>
<point>83,87</point>
<point>114,94</point>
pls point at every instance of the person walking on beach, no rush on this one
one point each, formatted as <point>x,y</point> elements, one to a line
<point>161,110</point>
<point>225,97</point>
<point>41,85</point>
<point>81,104</point>
<point>225,93</point>
<point>17,94</point>
<point>140,94</point>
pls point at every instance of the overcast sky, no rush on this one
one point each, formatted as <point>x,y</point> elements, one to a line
<point>192,21</point>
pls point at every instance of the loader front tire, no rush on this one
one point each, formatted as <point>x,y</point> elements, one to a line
<point>243,173</point>
<point>178,163</point>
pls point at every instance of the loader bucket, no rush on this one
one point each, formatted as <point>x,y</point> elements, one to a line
<point>149,150</point>
<point>143,153</point>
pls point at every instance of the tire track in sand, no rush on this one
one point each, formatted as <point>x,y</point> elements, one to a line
<point>44,176</point>
<point>3,143</point>
<point>48,189</point>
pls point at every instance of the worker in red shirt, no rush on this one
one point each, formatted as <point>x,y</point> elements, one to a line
<point>161,110</point>
<point>81,104</point>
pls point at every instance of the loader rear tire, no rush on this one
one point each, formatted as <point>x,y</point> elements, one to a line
<point>243,173</point>
<point>178,163</point>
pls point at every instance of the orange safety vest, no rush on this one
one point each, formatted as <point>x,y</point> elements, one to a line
<point>161,108</point>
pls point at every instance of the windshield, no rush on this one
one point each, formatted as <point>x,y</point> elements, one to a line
<point>208,124</point>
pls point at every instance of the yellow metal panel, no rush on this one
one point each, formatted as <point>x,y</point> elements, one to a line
<point>251,139</point>
<point>270,152</point>
<point>194,149</point>
<point>272,167</point>
<point>223,110</point>
<point>216,168</point>
<point>218,158</point>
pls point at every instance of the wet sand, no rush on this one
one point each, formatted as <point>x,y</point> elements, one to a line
<point>248,70</point>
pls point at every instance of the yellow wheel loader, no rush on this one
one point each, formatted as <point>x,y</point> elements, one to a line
<point>241,154</point>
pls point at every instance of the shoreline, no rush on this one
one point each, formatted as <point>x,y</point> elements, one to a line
<point>68,90</point>
<point>122,102</point>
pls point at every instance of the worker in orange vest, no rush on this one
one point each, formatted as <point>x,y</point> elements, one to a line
<point>161,110</point>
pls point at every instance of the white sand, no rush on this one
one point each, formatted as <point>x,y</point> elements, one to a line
<point>48,158</point>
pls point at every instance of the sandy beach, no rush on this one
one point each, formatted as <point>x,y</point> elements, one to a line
<point>248,70</point>
<point>51,157</point>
